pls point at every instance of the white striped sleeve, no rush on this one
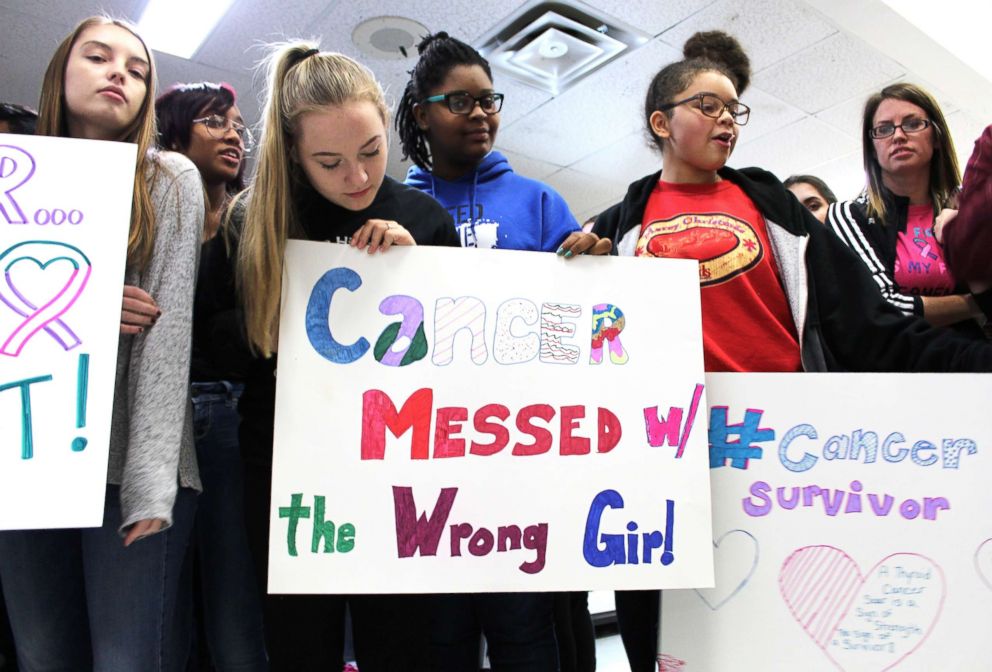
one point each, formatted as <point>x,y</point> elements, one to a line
<point>842,222</point>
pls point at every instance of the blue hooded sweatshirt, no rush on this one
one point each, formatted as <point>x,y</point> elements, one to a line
<point>493,207</point>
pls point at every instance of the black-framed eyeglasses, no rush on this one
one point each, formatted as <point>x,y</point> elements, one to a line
<point>462,102</point>
<point>911,125</point>
<point>713,106</point>
<point>218,126</point>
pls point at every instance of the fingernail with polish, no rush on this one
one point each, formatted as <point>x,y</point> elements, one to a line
<point>568,254</point>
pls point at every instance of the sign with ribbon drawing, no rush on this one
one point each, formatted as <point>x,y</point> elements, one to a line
<point>65,210</point>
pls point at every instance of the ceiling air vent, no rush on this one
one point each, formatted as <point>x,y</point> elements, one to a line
<point>552,45</point>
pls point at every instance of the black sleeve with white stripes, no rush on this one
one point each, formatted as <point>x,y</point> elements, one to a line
<point>842,220</point>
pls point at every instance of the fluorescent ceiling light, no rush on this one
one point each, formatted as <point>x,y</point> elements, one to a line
<point>179,27</point>
<point>960,26</point>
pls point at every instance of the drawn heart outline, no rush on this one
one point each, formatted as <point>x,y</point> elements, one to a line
<point>743,582</point>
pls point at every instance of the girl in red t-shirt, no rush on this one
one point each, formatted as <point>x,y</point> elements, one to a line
<point>779,292</point>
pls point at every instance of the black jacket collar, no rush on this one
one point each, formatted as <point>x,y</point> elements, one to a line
<point>772,199</point>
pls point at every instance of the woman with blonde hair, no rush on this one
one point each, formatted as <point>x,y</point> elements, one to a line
<point>912,175</point>
<point>320,176</point>
<point>104,598</point>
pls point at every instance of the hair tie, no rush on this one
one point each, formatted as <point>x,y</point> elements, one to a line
<point>308,53</point>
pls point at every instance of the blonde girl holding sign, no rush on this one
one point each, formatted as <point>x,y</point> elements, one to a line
<point>321,177</point>
<point>103,598</point>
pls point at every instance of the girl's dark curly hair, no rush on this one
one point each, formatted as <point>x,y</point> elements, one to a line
<point>439,53</point>
<point>711,51</point>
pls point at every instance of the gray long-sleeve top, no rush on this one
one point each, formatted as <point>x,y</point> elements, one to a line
<point>151,438</point>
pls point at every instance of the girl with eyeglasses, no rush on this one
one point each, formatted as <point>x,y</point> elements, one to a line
<point>447,121</point>
<point>104,598</point>
<point>912,173</point>
<point>779,292</point>
<point>321,176</point>
<point>202,120</point>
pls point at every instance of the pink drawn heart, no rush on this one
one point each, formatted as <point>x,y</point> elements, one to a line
<point>863,622</point>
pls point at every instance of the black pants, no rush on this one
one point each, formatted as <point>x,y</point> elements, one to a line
<point>7,660</point>
<point>575,633</point>
<point>637,616</point>
<point>306,632</point>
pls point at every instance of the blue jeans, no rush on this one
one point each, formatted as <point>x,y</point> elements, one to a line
<point>232,608</point>
<point>77,599</point>
<point>519,629</point>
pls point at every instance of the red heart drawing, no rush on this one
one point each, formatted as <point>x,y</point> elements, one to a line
<point>863,622</point>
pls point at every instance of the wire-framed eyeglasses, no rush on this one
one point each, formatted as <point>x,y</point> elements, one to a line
<point>713,106</point>
<point>217,126</point>
<point>462,102</point>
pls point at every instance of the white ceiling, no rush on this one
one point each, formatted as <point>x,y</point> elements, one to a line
<point>814,63</point>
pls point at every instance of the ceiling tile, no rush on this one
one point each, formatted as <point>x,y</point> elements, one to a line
<point>583,192</point>
<point>601,109</point>
<point>651,16</point>
<point>72,12</point>
<point>535,169</point>
<point>846,116</point>
<point>844,175</point>
<point>768,114</point>
<point>521,99</point>
<point>25,52</point>
<point>769,30</point>
<point>965,129</point>
<point>812,79</point>
<point>236,43</point>
<point>804,143</point>
<point>623,161</point>
<point>175,70</point>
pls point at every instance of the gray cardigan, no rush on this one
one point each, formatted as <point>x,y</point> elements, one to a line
<point>151,437</point>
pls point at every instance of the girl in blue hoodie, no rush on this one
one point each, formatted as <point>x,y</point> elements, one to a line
<point>447,122</point>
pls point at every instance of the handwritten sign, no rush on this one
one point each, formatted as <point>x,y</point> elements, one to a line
<point>65,210</point>
<point>452,420</point>
<point>855,535</point>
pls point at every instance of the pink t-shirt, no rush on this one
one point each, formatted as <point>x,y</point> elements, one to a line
<point>920,267</point>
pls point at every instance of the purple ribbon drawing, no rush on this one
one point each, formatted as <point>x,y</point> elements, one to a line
<point>46,317</point>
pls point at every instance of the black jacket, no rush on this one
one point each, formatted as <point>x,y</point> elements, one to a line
<point>844,323</point>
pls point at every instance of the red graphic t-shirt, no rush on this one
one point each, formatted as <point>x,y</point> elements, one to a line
<point>747,325</point>
<point>920,267</point>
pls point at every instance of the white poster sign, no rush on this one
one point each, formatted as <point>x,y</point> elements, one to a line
<point>465,420</point>
<point>65,210</point>
<point>852,527</point>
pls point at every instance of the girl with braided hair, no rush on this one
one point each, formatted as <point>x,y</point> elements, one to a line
<point>447,121</point>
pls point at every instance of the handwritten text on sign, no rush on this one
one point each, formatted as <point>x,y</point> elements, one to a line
<point>857,527</point>
<point>500,425</point>
<point>63,233</point>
